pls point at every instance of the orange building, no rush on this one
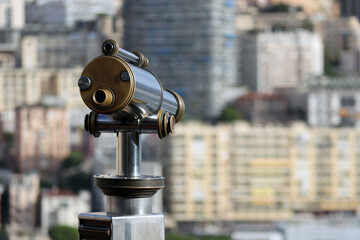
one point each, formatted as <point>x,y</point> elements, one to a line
<point>41,138</point>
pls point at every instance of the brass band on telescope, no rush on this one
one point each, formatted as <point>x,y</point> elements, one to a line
<point>181,110</point>
<point>105,72</point>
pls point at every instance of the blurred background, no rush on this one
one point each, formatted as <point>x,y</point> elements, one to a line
<point>269,148</point>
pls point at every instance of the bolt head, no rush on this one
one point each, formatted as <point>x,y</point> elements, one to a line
<point>84,83</point>
<point>125,76</point>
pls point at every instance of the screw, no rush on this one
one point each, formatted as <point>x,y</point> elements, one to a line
<point>125,76</point>
<point>84,83</point>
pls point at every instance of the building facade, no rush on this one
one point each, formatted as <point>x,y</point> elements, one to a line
<point>280,59</point>
<point>334,102</point>
<point>350,8</point>
<point>29,86</point>
<point>62,208</point>
<point>237,172</point>
<point>12,14</point>
<point>41,138</point>
<point>341,37</point>
<point>191,47</point>
<point>24,193</point>
<point>67,12</point>
<point>262,108</point>
<point>66,49</point>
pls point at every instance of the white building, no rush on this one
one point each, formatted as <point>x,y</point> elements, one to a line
<point>59,49</point>
<point>12,14</point>
<point>334,102</point>
<point>67,12</point>
<point>62,208</point>
<point>280,59</point>
<point>24,192</point>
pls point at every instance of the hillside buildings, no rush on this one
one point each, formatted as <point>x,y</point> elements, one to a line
<point>237,172</point>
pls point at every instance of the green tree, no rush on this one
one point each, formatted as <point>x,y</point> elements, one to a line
<point>215,238</point>
<point>229,114</point>
<point>62,232</point>
<point>78,181</point>
<point>3,235</point>
<point>331,60</point>
<point>75,158</point>
<point>174,236</point>
<point>45,183</point>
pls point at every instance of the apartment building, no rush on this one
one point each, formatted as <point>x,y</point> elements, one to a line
<point>24,193</point>
<point>237,172</point>
<point>67,13</point>
<point>29,86</point>
<point>334,102</point>
<point>280,59</point>
<point>12,14</point>
<point>41,138</point>
<point>60,207</point>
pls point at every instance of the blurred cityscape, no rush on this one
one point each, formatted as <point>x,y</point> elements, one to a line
<point>269,148</point>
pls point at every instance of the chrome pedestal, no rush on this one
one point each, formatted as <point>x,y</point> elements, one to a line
<point>128,213</point>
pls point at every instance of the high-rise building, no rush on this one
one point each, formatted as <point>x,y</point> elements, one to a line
<point>24,193</point>
<point>280,59</point>
<point>238,172</point>
<point>191,46</point>
<point>350,8</point>
<point>41,138</point>
<point>334,102</point>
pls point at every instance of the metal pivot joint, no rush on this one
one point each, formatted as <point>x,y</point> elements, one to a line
<point>128,100</point>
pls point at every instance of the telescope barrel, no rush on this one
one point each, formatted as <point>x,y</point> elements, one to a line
<point>109,85</point>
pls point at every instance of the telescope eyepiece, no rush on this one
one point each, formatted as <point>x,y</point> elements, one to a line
<point>103,98</point>
<point>110,47</point>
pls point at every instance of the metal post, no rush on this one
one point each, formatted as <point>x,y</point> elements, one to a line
<point>128,157</point>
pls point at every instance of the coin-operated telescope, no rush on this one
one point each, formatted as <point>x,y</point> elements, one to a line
<point>129,100</point>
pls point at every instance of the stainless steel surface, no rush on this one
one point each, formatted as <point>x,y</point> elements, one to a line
<point>147,227</point>
<point>148,91</point>
<point>118,154</point>
<point>120,206</point>
<point>127,56</point>
<point>129,160</point>
<point>170,104</point>
<point>142,227</point>
<point>109,124</point>
<point>149,95</point>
